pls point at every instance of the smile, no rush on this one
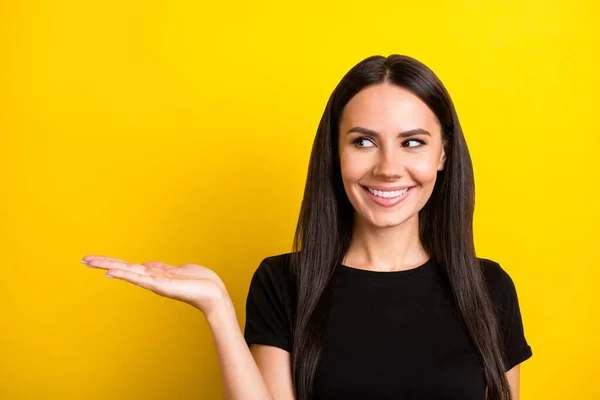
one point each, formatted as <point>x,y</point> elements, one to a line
<point>388,198</point>
<point>386,195</point>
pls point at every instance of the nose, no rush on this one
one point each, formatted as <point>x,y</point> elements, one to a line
<point>390,165</point>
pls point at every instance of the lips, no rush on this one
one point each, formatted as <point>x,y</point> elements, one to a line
<point>389,201</point>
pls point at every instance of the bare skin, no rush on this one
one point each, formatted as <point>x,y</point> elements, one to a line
<point>383,239</point>
<point>267,369</point>
<point>203,289</point>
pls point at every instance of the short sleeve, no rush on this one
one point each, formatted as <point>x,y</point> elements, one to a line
<point>515,348</point>
<point>269,305</point>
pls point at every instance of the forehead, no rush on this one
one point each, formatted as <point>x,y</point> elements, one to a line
<point>388,108</point>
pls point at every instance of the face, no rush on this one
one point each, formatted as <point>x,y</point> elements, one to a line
<point>390,146</point>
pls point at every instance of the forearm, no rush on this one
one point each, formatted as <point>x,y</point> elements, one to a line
<point>241,377</point>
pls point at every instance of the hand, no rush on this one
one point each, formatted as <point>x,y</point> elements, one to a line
<point>190,283</point>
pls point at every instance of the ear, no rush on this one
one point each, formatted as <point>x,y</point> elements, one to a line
<point>442,162</point>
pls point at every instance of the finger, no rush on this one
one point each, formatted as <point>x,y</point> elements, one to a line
<point>107,263</point>
<point>93,257</point>
<point>157,264</point>
<point>145,281</point>
<point>117,264</point>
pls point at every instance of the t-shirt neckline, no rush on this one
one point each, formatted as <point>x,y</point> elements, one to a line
<point>366,273</point>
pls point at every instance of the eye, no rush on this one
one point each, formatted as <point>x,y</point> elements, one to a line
<point>420,143</point>
<point>361,139</point>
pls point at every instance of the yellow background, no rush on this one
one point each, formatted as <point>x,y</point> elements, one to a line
<point>180,132</point>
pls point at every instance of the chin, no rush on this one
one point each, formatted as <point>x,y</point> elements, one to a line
<point>384,221</point>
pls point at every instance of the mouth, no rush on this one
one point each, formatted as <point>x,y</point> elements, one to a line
<point>387,198</point>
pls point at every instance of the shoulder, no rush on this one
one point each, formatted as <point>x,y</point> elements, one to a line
<point>502,290</point>
<point>275,268</point>
<point>497,279</point>
<point>273,274</point>
<point>271,303</point>
<point>503,294</point>
<point>277,261</point>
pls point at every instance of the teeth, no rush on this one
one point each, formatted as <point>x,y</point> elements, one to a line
<point>387,195</point>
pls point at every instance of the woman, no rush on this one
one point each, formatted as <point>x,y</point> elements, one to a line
<point>383,296</point>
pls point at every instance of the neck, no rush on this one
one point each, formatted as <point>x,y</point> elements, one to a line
<point>394,248</point>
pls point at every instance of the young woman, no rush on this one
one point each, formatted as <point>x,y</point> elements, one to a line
<point>382,296</point>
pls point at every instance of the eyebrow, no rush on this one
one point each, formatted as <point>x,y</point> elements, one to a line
<point>404,134</point>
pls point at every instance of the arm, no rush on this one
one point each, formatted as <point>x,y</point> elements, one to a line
<point>513,377</point>
<point>203,289</point>
<point>514,345</point>
<point>241,376</point>
<point>269,316</point>
<point>275,366</point>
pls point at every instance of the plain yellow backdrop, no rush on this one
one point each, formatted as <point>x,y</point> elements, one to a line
<point>180,131</point>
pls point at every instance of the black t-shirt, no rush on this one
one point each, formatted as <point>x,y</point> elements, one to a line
<point>389,335</point>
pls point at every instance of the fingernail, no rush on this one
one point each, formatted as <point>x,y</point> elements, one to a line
<point>107,276</point>
<point>83,262</point>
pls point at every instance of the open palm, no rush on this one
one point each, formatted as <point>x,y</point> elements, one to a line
<point>190,283</point>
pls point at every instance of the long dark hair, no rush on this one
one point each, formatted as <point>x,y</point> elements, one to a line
<point>325,224</point>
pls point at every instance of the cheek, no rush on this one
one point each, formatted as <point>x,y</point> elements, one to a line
<point>424,169</point>
<point>353,168</point>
